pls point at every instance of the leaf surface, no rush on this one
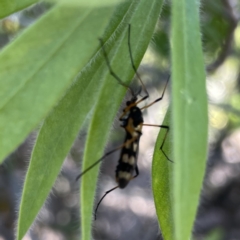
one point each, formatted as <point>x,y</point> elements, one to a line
<point>7,7</point>
<point>189,115</point>
<point>61,127</point>
<point>40,65</point>
<point>162,181</point>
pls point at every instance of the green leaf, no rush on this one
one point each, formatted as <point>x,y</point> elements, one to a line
<point>7,7</point>
<point>112,94</point>
<point>189,115</point>
<point>161,182</point>
<point>37,68</point>
<point>61,127</point>
<point>86,3</point>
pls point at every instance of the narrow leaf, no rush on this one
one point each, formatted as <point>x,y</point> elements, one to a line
<point>161,181</point>
<point>189,114</point>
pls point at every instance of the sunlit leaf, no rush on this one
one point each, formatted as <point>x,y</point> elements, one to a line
<point>61,127</point>
<point>189,115</point>
<point>38,67</point>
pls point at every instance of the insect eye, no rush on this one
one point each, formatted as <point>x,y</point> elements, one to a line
<point>128,103</point>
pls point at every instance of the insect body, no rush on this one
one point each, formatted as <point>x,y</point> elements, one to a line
<point>128,157</point>
<point>132,122</point>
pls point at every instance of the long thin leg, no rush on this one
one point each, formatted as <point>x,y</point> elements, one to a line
<point>110,68</point>
<point>137,171</point>
<point>131,57</point>
<point>158,99</point>
<point>107,192</point>
<point>164,139</point>
<point>99,160</point>
<point>105,155</point>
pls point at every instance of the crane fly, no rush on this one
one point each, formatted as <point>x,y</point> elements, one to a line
<point>132,121</point>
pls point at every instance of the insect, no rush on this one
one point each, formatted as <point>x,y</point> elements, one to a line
<point>132,121</point>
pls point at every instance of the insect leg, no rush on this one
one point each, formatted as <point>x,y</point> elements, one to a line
<point>129,107</point>
<point>158,99</point>
<point>107,192</point>
<point>133,65</point>
<point>105,155</point>
<point>137,172</point>
<point>110,68</point>
<point>99,160</point>
<point>164,139</point>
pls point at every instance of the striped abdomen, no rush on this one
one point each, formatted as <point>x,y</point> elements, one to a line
<point>127,162</point>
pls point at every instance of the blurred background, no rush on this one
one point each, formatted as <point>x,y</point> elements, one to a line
<point>130,213</point>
